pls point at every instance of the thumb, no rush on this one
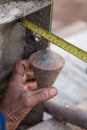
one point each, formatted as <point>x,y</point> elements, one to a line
<point>41,95</point>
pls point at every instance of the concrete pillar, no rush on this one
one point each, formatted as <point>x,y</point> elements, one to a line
<point>17,42</point>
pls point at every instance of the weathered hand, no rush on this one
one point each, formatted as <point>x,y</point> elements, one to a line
<point>22,94</point>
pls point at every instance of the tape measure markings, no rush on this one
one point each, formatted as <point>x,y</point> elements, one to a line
<point>81,54</point>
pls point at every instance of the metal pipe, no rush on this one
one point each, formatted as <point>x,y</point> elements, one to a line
<point>67,113</point>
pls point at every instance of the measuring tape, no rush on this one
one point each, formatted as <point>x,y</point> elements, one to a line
<point>81,54</point>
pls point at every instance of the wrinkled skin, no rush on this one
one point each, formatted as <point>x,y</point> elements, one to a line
<point>22,94</point>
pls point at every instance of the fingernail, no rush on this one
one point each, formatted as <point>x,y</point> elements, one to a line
<point>53,91</point>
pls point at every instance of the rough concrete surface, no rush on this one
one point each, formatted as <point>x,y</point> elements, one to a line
<point>17,9</point>
<point>18,42</point>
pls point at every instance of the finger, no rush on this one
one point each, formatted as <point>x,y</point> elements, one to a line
<point>39,96</point>
<point>28,76</point>
<point>30,86</point>
<point>20,69</point>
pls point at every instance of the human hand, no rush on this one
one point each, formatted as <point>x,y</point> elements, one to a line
<point>22,94</point>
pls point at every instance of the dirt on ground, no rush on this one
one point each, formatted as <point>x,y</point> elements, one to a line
<point>68,11</point>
